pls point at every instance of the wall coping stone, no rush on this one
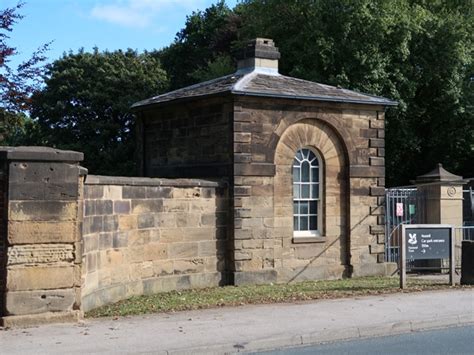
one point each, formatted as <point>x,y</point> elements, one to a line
<point>39,154</point>
<point>145,181</point>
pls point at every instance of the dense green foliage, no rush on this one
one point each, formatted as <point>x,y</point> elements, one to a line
<point>202,48</point>
<point>85,105</point>
<point>418,52</point>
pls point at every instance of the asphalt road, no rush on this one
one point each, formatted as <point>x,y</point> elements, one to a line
<point>457,340</point>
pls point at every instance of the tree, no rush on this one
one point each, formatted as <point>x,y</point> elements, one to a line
<point>201,50</point>
<point>417,52</point>
<point>85,105</point>
<point>16,84</point>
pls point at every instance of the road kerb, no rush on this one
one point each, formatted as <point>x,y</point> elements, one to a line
<point>328,336</point>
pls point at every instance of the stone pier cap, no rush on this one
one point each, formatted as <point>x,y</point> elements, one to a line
<point>39,154</point>
<point>439,176</point>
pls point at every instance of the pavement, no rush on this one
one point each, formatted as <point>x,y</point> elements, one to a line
<point>249,328</point>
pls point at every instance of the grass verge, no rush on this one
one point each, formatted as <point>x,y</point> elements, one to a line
<point>272,293</point>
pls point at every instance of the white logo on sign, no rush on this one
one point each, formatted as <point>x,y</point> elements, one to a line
<point>412,238</point>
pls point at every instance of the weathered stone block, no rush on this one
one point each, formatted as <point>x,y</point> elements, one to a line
<point>183,250</point>
<point>377,191</point>
<point>93,191</point>
<point>367,171</point>
<point>376,161</point>
<point>133,192</point>
<point>40,278</point>
<point>40,253</point>
<point>211,248</point>
<point>127,222</point>
<point>377,143</point>
<point>378,229</point>
<point>103,207</point>
<point>376,248</point>
<point>105,241</point>
<point>159,192</point>
<point>156,251</point>
<point>188,219</point>
<point>377,123</point>
<point>34,302</point>
<point>188,266</point>
<point>146,221</point>
<point>50,190</point>
<point>121,207</point>
<point>120,240</point>
<point>112,192</point>
<point>28,232</point>
<point>42,211</point>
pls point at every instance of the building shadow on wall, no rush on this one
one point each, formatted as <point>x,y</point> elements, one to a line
<point>345,251</point>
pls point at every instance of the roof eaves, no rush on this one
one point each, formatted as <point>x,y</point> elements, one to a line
<point>179,99</point>
<point>382,102</point>
<point>152,100</point>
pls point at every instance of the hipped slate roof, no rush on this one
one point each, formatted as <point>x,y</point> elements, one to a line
<point>267,84</point>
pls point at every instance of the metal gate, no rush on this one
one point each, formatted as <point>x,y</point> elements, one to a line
<point>402,205</point>
<point>408,205</point>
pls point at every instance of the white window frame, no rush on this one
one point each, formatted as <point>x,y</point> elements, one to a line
<point>316,233</point>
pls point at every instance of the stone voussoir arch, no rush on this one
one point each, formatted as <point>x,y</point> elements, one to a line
<point>331,253</point>
<point>335,125</point>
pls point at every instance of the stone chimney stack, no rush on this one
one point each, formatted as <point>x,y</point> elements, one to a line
<point>259,54</point>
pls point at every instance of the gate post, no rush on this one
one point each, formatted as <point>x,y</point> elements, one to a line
<point>443,199</point>
<point>41,234</point>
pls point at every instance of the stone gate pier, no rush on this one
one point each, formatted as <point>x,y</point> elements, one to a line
<point>40,239</point>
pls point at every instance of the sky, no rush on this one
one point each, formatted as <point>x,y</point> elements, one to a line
<point>106,24</point>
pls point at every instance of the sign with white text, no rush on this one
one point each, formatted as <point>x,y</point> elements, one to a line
<point>427,243</point>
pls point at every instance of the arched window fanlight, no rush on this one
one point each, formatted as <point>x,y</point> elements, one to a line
<point>306,193</point>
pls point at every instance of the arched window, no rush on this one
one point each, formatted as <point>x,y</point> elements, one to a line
<point>307,172</point>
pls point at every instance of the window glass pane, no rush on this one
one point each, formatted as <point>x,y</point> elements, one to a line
<point>299,156</point>
<point>313,223</point>
<point>313,207</point>
<point>296,191</point>
<point>315,190</point>
<point>311,156</point>
<point>303,223</point>
<point>296,174</point>
<point>295,223</point>
<point>295,207</point>
<point>305,191</point>
<point>305,171</point>
<point>314,174</point>
<point>304,207</point>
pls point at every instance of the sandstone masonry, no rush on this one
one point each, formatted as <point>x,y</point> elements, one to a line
<point>215,205</point>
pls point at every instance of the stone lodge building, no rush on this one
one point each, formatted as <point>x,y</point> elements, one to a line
<point>304,162</point>
<point>251,178</point>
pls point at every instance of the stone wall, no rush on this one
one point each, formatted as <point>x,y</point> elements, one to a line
<point>350,138</point>
<point>145,236</point>
<point>43,239</point>
<point>187,139</point>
